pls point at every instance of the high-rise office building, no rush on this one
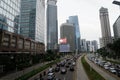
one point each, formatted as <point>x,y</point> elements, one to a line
<point>67,31</point>
<point>101,42</point>
<point>94,45</point>
<point>9,9</point>
<point>116,28</point>
<point>74,21</point>
<point>32,20</point>
<point>83,45</point>
<point>88,44</point>
<point>105,26</point>
<point>16,26</point>
<point>52,24</point>
<point>3,20</point>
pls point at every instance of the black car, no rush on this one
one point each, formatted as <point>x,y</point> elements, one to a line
<point>67,65</point>
<point>63,70</point>
<point>57,69</point>
<point>71,68</point>
<point>62,64</point>
<point>69,62</point>
<point>118,72</point>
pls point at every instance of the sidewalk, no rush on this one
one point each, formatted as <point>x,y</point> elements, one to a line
<point>37,76</point>
<point>15,75</point>
<point>100,71</point>
<point>81,74</point>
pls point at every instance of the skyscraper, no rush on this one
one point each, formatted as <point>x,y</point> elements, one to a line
<point>74,21</point>
<point>3,20</point>
<point>67,31</point>
<point>32,20</point>
<point>116,28</point>
<point>9,9</point>
<point>94,45</point>
<point>83,45</point>
<point>105,26</point>
<point>88,44</point>
<point>16,26</point>
<point>52,24</point>
<point>101,42</point>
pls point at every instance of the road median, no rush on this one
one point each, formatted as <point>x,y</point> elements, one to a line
<point>34,72</point>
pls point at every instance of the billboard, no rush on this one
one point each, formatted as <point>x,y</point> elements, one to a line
<point>64,48</point>
<point>63,40</point>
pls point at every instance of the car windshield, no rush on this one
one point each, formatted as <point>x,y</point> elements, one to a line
<point>50,74</point>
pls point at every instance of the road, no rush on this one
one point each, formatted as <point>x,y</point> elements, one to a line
<point>81,74</point>
<point>102,72</point>
<point>70,75</point>
<point>13,76</point>
<point>78,74</point>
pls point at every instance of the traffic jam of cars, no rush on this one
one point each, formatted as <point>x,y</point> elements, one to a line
<point>110,67</point>
<point>61,68</point>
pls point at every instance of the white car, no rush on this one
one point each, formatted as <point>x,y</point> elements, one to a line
<point>73,63</point>
<point>50,70</point>
<point>51,76</point>
<point>113,71</point>
<point>106,67</point>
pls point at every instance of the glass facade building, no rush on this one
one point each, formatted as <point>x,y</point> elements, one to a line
<point>9,15</point>
<point>32,20</point>
<point>52,25</point>
<point>116,28</point>
<point>74,21</point>
<point>67,31</point>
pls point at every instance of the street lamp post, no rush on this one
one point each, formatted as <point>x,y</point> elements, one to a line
<point>116,2</point>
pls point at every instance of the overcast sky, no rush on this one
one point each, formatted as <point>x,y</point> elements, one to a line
<point>88,14</point>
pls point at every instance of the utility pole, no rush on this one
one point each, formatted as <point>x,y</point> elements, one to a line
<point>116,3</point>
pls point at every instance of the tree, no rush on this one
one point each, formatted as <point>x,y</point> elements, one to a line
<point>103,52</point>
<point>116,48</point>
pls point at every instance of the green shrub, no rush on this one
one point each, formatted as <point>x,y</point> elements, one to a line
<point>34,72</point>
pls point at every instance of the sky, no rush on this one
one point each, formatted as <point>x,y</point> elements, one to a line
<point>88,14</point>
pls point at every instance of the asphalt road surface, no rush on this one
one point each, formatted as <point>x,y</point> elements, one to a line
<point>69,75</point>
